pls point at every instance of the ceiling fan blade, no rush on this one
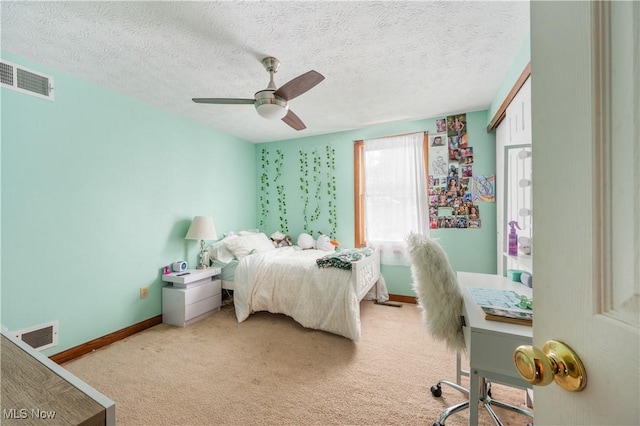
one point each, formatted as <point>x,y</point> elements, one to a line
<point>294,121</point>
<point>223,101</point>
<point>299,85</point>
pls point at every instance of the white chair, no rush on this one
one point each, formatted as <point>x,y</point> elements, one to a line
<point>439,296</point>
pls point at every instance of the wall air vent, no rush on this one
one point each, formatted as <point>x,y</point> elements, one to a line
<point>27,81</point>
<point>40,337</point>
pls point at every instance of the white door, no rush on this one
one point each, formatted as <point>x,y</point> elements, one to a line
<point>585,59</point>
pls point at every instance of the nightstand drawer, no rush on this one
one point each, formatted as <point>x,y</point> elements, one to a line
<point>182,306</point>
<point>203,291</point>
<point>201,307</point>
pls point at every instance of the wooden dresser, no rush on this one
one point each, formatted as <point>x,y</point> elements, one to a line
<point>37,391</point>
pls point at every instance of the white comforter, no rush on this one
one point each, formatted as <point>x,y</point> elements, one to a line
<point>288,281</point>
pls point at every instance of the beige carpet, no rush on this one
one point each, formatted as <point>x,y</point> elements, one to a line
<point>270,370</point>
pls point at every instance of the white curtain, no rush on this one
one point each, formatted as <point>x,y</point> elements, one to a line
<point>395,194</point>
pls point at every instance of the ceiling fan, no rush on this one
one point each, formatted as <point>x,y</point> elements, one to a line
<point>273,103</point>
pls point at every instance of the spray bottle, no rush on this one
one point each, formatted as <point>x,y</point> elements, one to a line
<point>513,238</point>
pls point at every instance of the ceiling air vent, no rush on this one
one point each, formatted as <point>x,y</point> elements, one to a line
<point>27,81</point>
<point>40,337</point>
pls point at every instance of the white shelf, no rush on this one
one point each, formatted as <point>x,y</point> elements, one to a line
<point>522,261</point>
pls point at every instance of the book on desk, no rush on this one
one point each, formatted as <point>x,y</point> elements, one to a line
<point>508,315</point>
<point>501,305</point>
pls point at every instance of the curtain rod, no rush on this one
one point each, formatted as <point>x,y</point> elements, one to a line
<point>424,132</point>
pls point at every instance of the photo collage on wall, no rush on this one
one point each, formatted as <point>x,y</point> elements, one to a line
<point>451,204</point>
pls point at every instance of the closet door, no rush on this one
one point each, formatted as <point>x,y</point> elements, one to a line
<point>515,130</point>
<point>518,116</point>
<point>502,140</point>
<point>518,207</point>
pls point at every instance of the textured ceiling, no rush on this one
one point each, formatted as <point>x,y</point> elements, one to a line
<point>383,62</point>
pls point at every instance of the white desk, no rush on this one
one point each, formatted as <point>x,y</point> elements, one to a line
<point>490,344</point>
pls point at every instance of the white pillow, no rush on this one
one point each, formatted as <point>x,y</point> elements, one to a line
<point>219,251</point>
<point>242,232</point>
<point>243,245</point>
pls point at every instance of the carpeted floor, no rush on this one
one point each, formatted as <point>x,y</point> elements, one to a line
<point>271,371</point>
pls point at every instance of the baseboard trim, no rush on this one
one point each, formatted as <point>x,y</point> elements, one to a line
<point>92,345</point>
<point>403,299</point>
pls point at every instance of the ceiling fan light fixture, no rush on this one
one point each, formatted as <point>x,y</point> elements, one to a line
<point>269,106</point>
<point>272,111</point>
<point>273,103</point>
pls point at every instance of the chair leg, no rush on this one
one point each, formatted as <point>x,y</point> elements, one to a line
<point>436,391</point>
<point>451,410</point>
<point>485,398</point>
<point>487,402</point>
<point>493,415</point>
<point>509,407</point>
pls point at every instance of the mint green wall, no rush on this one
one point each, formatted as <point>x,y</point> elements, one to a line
<point>98,191</point>
<point>472,250</point>
<point>519,63</point>
<point>94,201</point>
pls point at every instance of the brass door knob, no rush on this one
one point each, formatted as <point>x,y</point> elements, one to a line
<point>555,362</point>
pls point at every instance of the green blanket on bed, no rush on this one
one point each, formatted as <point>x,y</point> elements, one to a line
<point>344,258</point>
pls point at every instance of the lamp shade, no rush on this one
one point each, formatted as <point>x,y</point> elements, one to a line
<point>201,229</point>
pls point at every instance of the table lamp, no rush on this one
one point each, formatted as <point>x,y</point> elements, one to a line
<point>202,229</point>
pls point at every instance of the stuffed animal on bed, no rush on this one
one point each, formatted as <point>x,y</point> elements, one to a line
<point>280,240</point>
<point>325,243</point>
<point>306,241</point>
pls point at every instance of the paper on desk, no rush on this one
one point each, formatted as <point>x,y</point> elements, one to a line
<point>496,298</point>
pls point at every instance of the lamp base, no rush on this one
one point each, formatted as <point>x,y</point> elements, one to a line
<point>203,257</point>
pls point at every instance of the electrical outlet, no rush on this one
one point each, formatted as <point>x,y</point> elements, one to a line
<point>144,292</point>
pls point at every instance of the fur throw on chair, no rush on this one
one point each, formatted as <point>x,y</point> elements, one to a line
<point>436,286</point>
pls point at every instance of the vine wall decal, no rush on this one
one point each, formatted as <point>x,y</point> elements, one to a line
<point>282,209</point>
<point>282,196</point>
<point>303,158</point>
<point>317,181</point>
<point>264,188</point>
<point>331,189</point>
<point>317,188</point>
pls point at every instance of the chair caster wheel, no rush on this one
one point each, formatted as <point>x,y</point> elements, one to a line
<point>436,391</point>
<point>438,424</point>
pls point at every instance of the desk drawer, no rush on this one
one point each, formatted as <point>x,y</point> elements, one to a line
<point>492,352</point>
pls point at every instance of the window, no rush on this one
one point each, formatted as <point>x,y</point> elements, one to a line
<point>391,192</point>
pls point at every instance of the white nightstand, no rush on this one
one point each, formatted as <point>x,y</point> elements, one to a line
<point>190,297</point>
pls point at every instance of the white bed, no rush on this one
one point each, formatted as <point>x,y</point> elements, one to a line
<point>288,281</point>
